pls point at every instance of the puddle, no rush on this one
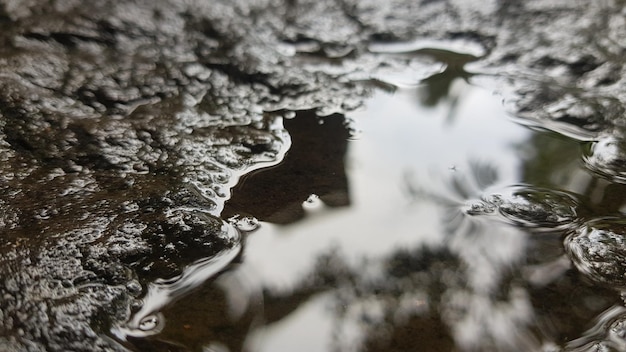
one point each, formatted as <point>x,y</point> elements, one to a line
<point>261,176</point>
<point>422,212</point>
<point>407,156</point>
<point>148,320</point>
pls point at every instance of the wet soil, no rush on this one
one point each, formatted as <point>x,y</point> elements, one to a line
<point>332,175</point>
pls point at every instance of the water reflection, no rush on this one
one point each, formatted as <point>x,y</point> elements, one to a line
<point>148,320</point>
<point>433,229</point>
<point>383,262</point>
<point>314,164</point>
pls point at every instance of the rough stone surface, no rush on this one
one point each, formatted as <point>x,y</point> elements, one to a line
<point>598,249</point>
<point>125,123</point>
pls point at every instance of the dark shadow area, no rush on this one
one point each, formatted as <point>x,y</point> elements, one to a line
<point>313,165</point>
<point>437,87</point>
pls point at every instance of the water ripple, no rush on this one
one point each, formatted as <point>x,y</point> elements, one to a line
<point>598,250</point>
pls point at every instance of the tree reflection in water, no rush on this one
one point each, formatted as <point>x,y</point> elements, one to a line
<point>493,276</point>
<point>313,165</point>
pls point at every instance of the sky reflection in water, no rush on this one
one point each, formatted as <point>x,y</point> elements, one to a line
<point>403,145</point>
<point>368,243</point>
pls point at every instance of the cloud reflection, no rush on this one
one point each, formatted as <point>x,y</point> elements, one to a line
<point>409,236</point>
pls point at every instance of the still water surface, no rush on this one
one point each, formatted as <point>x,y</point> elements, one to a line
<point>406,225</point>
<point>405,152</point>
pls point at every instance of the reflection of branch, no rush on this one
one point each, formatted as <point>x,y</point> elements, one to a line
<point>484,174</point>
<point>417,192</point>
<point>401,292</point>
<point>463,186</point>
<point>438,86</point>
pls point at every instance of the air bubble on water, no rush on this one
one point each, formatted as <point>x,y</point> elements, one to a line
<point>136,304</point>
<point>149,323</point>
<point>312,202</point>
<point>134,287</point>
<point>245,223</point>
<point>289,114</point>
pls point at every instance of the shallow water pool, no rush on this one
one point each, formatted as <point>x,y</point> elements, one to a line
<point>429,219</point>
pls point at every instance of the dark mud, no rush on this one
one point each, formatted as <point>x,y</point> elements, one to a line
<point>125,126</point>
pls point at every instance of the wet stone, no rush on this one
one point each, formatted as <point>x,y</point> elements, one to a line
<point>530,207</point>
<point>607,157</point>
<point>124,125</point>
<point>598,250</point>
<point>245,224</point>
<point>607,335</point>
